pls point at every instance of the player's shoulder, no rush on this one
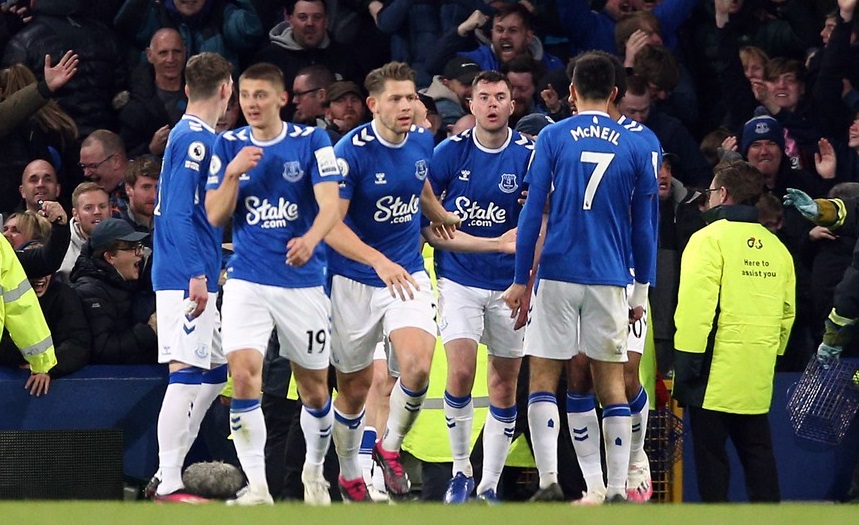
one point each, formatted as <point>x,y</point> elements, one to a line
<point>361,137</point>
<point>457,142</point>
<point>520,141</point>
<point>236,136</point>
<point>297,131</point>
<point>422,136</point>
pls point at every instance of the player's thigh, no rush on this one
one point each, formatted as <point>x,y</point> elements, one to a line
<point>303,320</point>
<point>552,331</point>
<point>605,313</point>
<point>418,312</point>
<point>356,323</point>
<point>246,320</point>
<point>460,311</point>
<point>184,340</point>
<point>498,334</point>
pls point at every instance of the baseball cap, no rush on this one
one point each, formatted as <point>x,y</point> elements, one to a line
<point>670,158</point>
<point>341,88</point>
<point>110,230</point>
<point>462,69</point>
<point>533,123</point>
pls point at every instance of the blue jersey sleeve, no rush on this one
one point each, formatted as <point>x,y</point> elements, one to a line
<point>442,167</point>
<point>190,159</point>
<point>539,178</point>
<point>349,166</point>
<point>644,206</point>
<point>218,165</point>
<point>325,168</point>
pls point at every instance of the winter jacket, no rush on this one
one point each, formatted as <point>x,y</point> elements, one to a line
<point>145,113</point>
<point>108,302</point>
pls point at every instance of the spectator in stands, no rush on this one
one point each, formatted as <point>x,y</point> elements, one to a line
<point>308,94</point>
<point>588,29</point>
<point>691,167</point>
<point>21,228</point>
<point>452,89</point>
<point>679,218</point>
<point>57,27</point>
<point>157,99</point>
<point>90,206</point>
<point>231,117</point>
<point>512,36</point>
<point>670,90</point>
<point>524,74</point>
<point>104,278</point>
<point>32,126</point>
<point>38,184</point>
<point>64,314</point>
<point>103,161</point>
<point>302,40</point>
<point>711,145</point>
<point>141,183</point>
<point>48,226</point>
<point>226,28</point>
<point>25,322</point>
<point>344,107</point>
<point>414,28</point>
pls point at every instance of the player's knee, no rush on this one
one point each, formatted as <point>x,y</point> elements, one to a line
<point>460,381</point>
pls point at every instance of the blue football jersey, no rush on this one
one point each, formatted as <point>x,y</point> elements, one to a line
<point>276,202</point>
<point>602,184</point>
<point>481,186</point>
<point>383,183</point>
<point>654,148</point>
<point>185,244</point>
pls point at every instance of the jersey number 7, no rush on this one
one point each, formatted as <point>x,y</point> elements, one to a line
<point>602,161</point>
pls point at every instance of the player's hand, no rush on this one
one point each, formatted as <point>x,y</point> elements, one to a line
<point>57,76</point>
<point>159,141</point>
<point>54,212</point>
<point>298,251</point>
<point>521,200</point>
<point>198,292</point>
<point>525,304</point>
<point>513,296</point>
<point>246,160</point>
<point>635,314</point>
<point>507,241</point>
<point>447,226</point>
<point>400,283</point>
<point>824,159</point>
<point>38,384</point>
<point>802,202</point>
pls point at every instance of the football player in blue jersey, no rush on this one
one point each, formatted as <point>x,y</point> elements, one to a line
<point>603,186</point>
<point>379,284</point>
<point>278,181</point>
<point>185,269</point>
<point>581,405</point>
<point>480,172</point>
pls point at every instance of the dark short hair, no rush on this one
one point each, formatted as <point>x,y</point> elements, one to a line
<point>619,71</point>
<point>505,10</point>
<point>743,182</point>
<point>491,76</point>
<point>319,75</point>
<point>778,66</point>
<point>593,77</point>
<point>290,5</point>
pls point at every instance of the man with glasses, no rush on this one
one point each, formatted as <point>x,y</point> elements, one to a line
<point>308,95</point>
<point>103,161</point>
<point>735,310</point>
<point>104,277</point>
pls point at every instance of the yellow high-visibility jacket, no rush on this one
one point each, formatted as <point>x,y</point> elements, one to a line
<point>21,314</point>
<point>735,309</point>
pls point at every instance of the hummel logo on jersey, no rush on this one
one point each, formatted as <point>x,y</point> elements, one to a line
<point>244,176</point>
<point>241,135</point>
<point>380,178</point>
<point>362,138</point>
<point>524,141</point>
<point>464,175</point>
<point>301,131</point>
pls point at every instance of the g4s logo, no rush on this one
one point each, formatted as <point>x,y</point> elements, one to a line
<point>755,243</point>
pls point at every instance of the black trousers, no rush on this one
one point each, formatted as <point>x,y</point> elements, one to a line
<point>751,436</point>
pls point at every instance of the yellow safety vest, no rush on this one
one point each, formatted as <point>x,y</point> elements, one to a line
<point>21,314</point>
